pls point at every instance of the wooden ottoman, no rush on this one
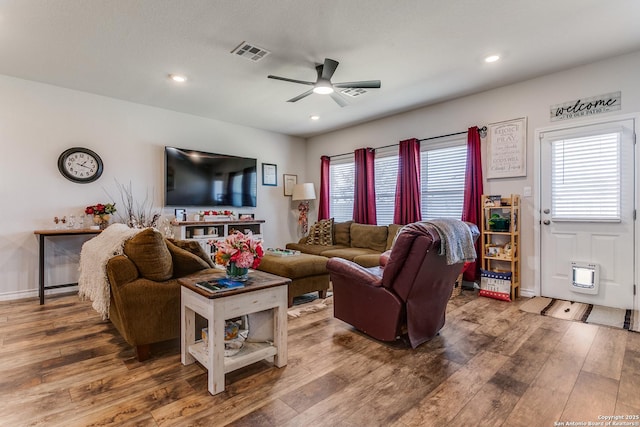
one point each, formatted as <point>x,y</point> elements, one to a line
<point>308,273</point>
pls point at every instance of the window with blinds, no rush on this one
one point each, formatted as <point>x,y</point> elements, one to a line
<point>386,164</point>
<point>585,178</point>
<point>442,169</point>
<point>342,188</point>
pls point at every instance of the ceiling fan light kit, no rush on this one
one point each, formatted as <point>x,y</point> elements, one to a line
<point>323,84</point>
<point>323,88</point>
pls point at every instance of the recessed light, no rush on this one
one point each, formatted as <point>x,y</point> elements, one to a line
<point>314,117</point>
<point>177,78</point>
<point>491,58</point>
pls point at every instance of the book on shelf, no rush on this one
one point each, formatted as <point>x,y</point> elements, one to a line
<point>218,285</point>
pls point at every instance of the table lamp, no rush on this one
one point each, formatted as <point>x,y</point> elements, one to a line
<point>304,193</point>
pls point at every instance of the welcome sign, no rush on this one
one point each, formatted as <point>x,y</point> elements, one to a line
<point>587,106</point>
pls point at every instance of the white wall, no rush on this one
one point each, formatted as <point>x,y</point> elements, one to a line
<point>38,122</point>
<point>530,99</point>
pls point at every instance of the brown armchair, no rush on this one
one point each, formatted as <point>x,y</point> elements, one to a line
<point>409,293</point>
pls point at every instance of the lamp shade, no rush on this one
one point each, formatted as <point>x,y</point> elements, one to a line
<point>303,192</point>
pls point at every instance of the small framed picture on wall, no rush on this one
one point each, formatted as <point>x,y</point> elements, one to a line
<point>289,182</point>
<point>269,174</point>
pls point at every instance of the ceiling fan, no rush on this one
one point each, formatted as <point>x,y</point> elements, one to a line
<point>324,86</point>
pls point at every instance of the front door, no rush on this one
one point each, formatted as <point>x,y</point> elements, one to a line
<point>587,213</point>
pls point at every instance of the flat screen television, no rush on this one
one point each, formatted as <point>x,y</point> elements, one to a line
<point>198,178</point>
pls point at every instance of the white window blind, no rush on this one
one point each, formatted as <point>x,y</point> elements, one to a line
<point>442,170</point>
<point>342,188</point>
<point>585,178</point>
<point>386,164</point>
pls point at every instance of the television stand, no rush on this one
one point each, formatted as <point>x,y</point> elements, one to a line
<point>204,231</point>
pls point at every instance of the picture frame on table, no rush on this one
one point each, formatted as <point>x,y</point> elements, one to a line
<point>289,181</point>
<point>246,216</point>
<point>269,174</point>
<point>181,214</point>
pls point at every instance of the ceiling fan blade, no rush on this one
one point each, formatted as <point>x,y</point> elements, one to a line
<point>329,68</point>
<point>302,82</point>
<point>302,95</point>
<point>367,84</point>
<point>339,99</point>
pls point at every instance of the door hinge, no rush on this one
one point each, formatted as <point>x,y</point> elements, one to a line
<point>634,214</point>
<point>634,289</point>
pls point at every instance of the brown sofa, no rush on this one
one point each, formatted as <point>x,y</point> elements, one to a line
<point>360,243</point>
<point>145,294</point>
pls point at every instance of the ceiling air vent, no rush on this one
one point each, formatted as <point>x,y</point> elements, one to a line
<point>353,92</point>
<point>250,52</point>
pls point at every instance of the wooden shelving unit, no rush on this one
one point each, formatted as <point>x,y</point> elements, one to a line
<point>501,249</point>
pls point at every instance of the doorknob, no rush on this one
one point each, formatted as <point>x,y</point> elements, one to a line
<point>546,211</point>
<point>546,222</point>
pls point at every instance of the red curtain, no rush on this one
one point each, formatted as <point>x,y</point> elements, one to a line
<point>323,204</point>
<point>407,204</point>
<point>364,203</point>
<point>473,195</point>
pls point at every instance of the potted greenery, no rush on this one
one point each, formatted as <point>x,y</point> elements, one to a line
<point>498,223</point>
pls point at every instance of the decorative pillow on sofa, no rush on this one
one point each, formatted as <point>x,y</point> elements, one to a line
<point>195,248</point>
<point>342,233</point>
<point>369,236</point>
<point>321,233</point>
<point>184,262</point>
<point>392,233</point>
<point>148,251</point>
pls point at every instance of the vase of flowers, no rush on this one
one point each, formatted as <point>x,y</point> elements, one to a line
<point>101,213</point>
<point>238,252</point>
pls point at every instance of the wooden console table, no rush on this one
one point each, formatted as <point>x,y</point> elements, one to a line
<point>263,291</point>
<point>42,235</point>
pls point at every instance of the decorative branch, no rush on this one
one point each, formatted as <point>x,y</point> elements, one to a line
<point>137,215</point>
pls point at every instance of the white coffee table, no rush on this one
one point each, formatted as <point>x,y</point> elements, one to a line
<point>263,291</point>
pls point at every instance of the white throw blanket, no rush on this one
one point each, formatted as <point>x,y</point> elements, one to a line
<point>93,283</point>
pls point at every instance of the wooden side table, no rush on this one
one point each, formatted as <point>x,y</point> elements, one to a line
<point>263,291</point>
<point>42,235</point>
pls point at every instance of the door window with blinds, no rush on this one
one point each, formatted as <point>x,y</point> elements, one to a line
<point>585,177</point>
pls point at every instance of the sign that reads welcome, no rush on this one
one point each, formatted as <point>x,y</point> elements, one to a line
<point>586,107</point>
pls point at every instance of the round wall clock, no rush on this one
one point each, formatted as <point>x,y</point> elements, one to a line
<point>79,164</point>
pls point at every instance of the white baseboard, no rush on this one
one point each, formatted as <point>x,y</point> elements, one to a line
<point>33,293</point>
<point>527,293</point>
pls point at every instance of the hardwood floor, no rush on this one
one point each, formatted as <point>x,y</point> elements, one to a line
<point>492,365</point>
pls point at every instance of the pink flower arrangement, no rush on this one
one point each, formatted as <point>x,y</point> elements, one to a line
<point>241,249</point>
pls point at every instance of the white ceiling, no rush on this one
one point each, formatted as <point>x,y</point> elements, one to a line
<point>423,51</point>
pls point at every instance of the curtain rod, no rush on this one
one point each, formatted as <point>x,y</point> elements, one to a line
<point>482,131</point>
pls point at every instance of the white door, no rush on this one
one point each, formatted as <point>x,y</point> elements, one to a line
<point>587,214</point>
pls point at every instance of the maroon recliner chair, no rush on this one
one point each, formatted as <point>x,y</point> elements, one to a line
<point>407,294</point>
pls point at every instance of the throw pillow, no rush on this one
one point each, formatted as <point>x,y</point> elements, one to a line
<point>392,233</point>
<point>321,233</point>
<point>195,248</point>
<point>369,236</point>
<point>184,262</point>
<point>148,251</point>
<point>495,285</point>
<point>260,326</point>
<point>342,233</point>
